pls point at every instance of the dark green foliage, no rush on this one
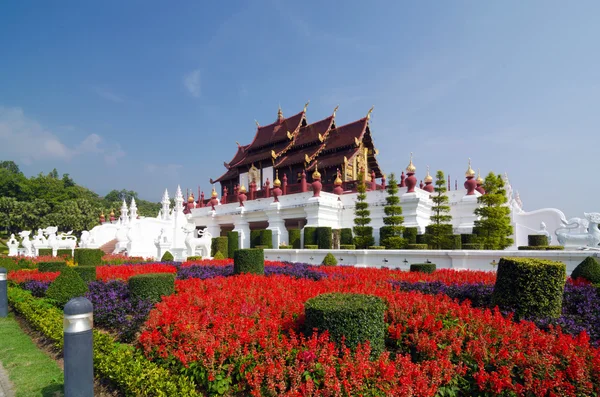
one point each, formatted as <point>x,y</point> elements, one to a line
<point>410,235</point>
<point>87,273</point>
<point>347,246</point>
<point>219,244</point>
<point>422,267</point>
<point>589,270</point>
<point>233,243</point>
<point>266,238</point>
<point>249,261</point>
<point>440,227</point>
<point>167,257</point>
<point>262,247</point>
<point>88,256</point>
<point>64,253</point>
<point>555,248</point>
<point>8,263</point>
<point>468,238</point>
<point>416,246</point>
<point>493,228</point>
<point>56,266</point>
<point>471,246</point>
<point>152,286</point>
<point>421,239</point>
<point>528,248</point>
<point>45,252</point>
<point>311,247</point>
<point>329,260</point>
<point>385,232</point>
<point>537,240</point>
<point>194,258</point>
<point>393,216</point>
<point>395,243</point>
<point>254,238</point>
<point>66,286</point>
<point>377,247</point>
<point>452,242</point>
<point>294,235</point>
<point>286,247</point>
<point>363,234</point>
<point>346,236</point>
<point>355,318</point>
<point>530,287</point>
<point>310,236</point>
<point>324,238</point>
<point>218,256</point>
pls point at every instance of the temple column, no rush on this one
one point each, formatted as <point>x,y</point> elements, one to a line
<point>242,227</point>
<point>277,227</point>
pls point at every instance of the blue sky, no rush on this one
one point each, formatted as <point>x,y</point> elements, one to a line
<point>145,95</point>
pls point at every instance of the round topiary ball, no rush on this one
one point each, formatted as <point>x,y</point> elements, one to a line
<point>66,286</point>
<point>329,260</point>
<point>589,270</point>
<point>152,286</point>
<point>167,257</point>
<point>355,317</point>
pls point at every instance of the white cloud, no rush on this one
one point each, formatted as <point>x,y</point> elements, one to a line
<point>28,141</point>
<point>192,83</point>
<point>108,94</point>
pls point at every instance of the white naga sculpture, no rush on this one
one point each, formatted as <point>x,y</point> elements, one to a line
<point>588,240</point>
<point>39,241</point>
<point>62,241</point>
<point>202,243</point>
<point>26,243</point>
<point>13,246</point>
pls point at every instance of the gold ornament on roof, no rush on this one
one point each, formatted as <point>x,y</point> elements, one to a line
<point>411,167</point>
<point>276,182</point>
<point>112,212</point>
<point>316,174</point>
<point>428,178</point>
<point>370,111</point>
<point>306,158</point>
<point>338,180</point>
<point>213,194</point>
<point>306,105</point>
<point>242,189</point>
<point>321,137</point>
<point>191,198</point>
<point>470,171</point>
<point>335,110</point>
<point>356,141</point>
<point>290,135</point>
<point>279,113</point>
<point>257,125</point>
<point>273,154</point>
<point>479,178</point>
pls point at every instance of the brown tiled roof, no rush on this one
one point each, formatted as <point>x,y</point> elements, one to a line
<point>239,156</point>
<point>276,132</point>
<point>263,154</point>
<point>231,173</point>
<point>296,157</point>
<point>345,135</point>
<point>310,133</point>
<point>333,159</point>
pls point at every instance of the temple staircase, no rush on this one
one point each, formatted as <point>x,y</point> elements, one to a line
<point>108,248</point>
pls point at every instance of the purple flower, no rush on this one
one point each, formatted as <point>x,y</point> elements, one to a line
<point>37,288</point>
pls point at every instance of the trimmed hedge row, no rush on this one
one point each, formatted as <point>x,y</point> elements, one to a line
<point>347,247</point>
<point>588,269</point>
<point>249,261</point>
<point>416,246</point>
<point>65,253</point>
<point>66,286</point>
<point>376,247</point>
<point>233,243</point>
<point>219,244</point>
<point>310,236</point>
<point>87,273</point>
<point>263,237</point>
<point>541,248</point>
<point>55,266</point>
<point>324,238</point>
<point>122,365</point>
<point>88,256</point>
<point>45,252</point>
<point>410,235</point>
<point>422,267</point>
<point>294,236</point>
<point>346,237</point>
<point>311,247</point>
<point>152,286</point>
<point>537,240</point>
<point>471,246</point>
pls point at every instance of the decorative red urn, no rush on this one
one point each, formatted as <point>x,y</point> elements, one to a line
<point>190,204</point>
<point>338,189</point>
<point>470,183</point>
<point>276,187</point>
<point>112,216</point>
<point>242,195</point>
<point>267,188</point>
<point>402,180</point>
<point>479,181</point>
<point>303,186</point>
<point>428,182</point>
<point>316,185</point>
<point>252,189</point>
<point>213,199</point>
<point>224,195</point>
<point>411,181</point>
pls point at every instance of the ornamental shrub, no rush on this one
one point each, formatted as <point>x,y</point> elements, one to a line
<point>324,238</point>
<point>393,218</point>
<point>347,246</point>
<point>219,244</point>
<point>66,286</point>
<point>9,263</point>
<point>416,246</point>
<point>468,238</point>
<point>471,246</point>
<point>329,260</point>
<point>377,247</point>
<point>440,229</point>
<point>194,258</point>
<point>55,266</point>
<point>395,243</point>
<point>533,288</point>
<point>410,235</point>
<point>355,318</point>
<point>588,269</point>
<point>219,256</point>
<point>385,232</point>
<point>262,247</point>
<point>310,236</point>
<point>346,236</point>
<point>64,253</point>
<point>266,238</point>
<point>151,286</point>
<point>363,233</point>
<point>167,257</point>
<point>286,247</point>
<point>311,247</point>
<point>493,226</point>
<point>537,240</point>
<point>87,273</point>
<point>555,248</point>
<point>254,238</point>
<point>249,261</point>
<point>294,236</point>
<point>453,242</point>
<point>422,267</point>
<point>529,248</point>
<point>88,256</point>
<point>233,243</point>
<point>45,252</point>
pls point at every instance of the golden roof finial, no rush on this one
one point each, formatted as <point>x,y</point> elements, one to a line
<point>470,171</point>
<point>479,178</point>
<point>257,125</point>
<point>276,182</point>
<point>335,110</point>
<point>338,180</point>
<point>191,198</point>
<point>306,105</point>
<point>242,189</point>
<point>411,167</point>
<point>316,174</point>
<point>112,212</point>
<point>214,192</point>
<point>428,178</point>
<point>279,113</point>
<point>370,111</point>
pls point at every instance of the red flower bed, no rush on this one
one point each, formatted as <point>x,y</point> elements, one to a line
<point>21,276</point>
<point>242,334</point>
<point>124,272</point>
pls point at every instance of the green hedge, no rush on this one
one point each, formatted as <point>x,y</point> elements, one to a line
<point>329,260</point>
<point>45,252</point>
<point>416,246</point>
<point>194,258</point>
<point>9,264</point>
<point>262,247</point>
<point>87,273</point>
<point>528,248</point>
<point>555,248</point>
<point>233,243</point>
<point>442,229</point>
<point>347,247</point>
<point>219,256</point>
<point>468,239</point>
<point>346,237</point>
<point>311,247</point>
<point>167,257</point>
<point>588,269</point>
<point>122,365</point>
<point>310,236</point>
<point>471,246</point>
<point>64,253</point>
<point>422,267</point>
<point>286,247</point>
<point>537,240</point>
<point>294,236</point>
<point>219,244</point>
<point>377,247</point>
<point>363,242</point>
<point>152,286</point>
<point>249,261</point>
<point>394,243</point>
<point>355,318</point>
<point>324,238</point>
<point>88,256</point>
<point>55,266</point>
<point>66,286</point>
<point>410,235</point>
<point>254,238</point>
<point>453,242</point>
<point>385,232</point>
<point>266,238</point>
<point>530,287</point>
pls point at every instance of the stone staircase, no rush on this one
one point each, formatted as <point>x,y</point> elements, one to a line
<point>109,247</point>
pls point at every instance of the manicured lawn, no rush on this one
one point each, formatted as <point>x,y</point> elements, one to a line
<point>31,371</point>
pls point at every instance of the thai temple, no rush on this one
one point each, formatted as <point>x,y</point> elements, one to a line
<point>296,174</point>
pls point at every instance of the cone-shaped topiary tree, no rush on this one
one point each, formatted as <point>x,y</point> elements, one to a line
<point>493,228</point>
<point>363,234</point>
<point>440,229</point>
<point>390,235</point>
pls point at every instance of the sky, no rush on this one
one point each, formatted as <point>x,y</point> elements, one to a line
<point>146,95</point>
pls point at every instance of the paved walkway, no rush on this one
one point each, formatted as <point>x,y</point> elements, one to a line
<point>6,389</point>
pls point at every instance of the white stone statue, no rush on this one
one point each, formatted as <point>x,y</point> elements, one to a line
<point>13,246</point>
<point>26,242</point>
<point>544,232</point>
<point>590,239</point>
<point>163,237</point>
<point>202,242</point>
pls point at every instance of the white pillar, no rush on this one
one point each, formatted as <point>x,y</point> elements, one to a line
<point>277,227</point>
<point>242,227</point>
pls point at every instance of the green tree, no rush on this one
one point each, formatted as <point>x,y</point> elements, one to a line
<point>493,229</point>
<point>363,234</point>
<point>10,166</point>
<point>391,234</point>
<point>440,227</point>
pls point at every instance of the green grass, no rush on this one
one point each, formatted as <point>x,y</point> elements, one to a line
<point>30,370</point>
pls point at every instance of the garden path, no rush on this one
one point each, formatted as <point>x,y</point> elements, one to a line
<point>6,389</point>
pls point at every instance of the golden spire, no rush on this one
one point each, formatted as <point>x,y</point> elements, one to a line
<point>338,180</point>
<point>191,198</point>
<point>257,125</point>
<point>276,182</point>
<point>470,171</point>
<point>428,178</point>
<point>306,105</point>
<point>214,193</point>
<point>479,178</point>
<point>335,110</point>
<point>242,189</point>
<point>411,167</point>
<point>370,111</point>
<point>112,212</point>
<point>279,113</point>
<point>316,174</point>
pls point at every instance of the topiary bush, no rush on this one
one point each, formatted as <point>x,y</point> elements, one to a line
<point>529,248</point>
<point>194,258</point>
<point>555,248</point>
<point>294,236</point>
<point>64,253</point>
<point>355,318</point>
<point>377,247</point>
<point>324,238</point>
<point>233,243</point>
<point>310,236</point>
<point>329,260</point>
<point>346,237</point>
<point>55,266</point>
<point>537,240</point>
<point>249,261</point>
<point>266,238</point>
<point>254,238</point>
<point>410,235</point>
<point>423,267</point>
<point>167,257</point>
<point>468,238</point>
<point>87,273</point>
<point>530,287</point>
<point>385,232</point>
<point>66,286</point>
<point>45,252</point>
<point>219,256</point>
<point>416,246</point>
<point>588,269</point>
<point>421,239</point>
<point>394,243</point>
<point>152,286</point>
<point>366,240</point>
<point>311,247</point>
<point>262,247</point>
<point>347,247</point>
<point>452,242</point>
<point>471,246</point>
<point>219,244</point>
<point>88,256</point>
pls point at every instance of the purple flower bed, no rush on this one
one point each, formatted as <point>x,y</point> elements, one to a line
<point>37,288</point>
<point>298,270</point>
<point>115,310</point>
<point>203,272</point>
